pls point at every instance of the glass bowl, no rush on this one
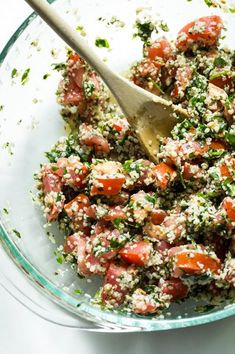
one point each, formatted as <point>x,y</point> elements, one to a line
<point>31,123</point>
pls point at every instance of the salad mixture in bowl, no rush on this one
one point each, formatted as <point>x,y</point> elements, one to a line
<point>156,233</point>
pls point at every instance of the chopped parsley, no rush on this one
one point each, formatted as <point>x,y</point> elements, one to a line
<point>220,62</point>
<point>164,27</point>
<point>17,233</point>
<point>59,256</point>
<point>14,73</point>
<point>5,210</point>
<point>144,30</point>
<point>78,291</point>
<point>58,66</point>
<point>25,76</point>
<point>45,76</point>
<point>101,43</point>
<point>81,30</point>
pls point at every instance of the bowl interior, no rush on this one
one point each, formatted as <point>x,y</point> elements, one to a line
<point>31,123</point>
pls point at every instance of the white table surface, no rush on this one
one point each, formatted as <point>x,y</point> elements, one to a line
<point>23,332</point>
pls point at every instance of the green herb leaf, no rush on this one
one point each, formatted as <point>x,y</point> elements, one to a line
<point>208,2</point>
<point>163,25</point>
<point>6,211</point>
<point>230,138</point>
<point>58,66</point>
<point>14,73</point>
<point>101,43</point>
<point>17,233</point>
<point>45,76</point>
<point>220,62</point>
<point>25,76</point>
<point>78,291</point>
<point>150,198</point>
<point>117,222</point>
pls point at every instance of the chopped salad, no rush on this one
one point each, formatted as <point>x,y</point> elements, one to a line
<point>155,233</point>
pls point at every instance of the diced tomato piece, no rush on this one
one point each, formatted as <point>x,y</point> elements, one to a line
<point>73,95</point>
<point>174,287</point>
<point>147,308</point>
<point>72,172</point>
<point>183,77</point>
<point>136,252</point>
<point>224,171</point>
<point>205,31</point>
<point>102,241</point>
<point>107,186</point>
<point>74,57</point>
<point>224,82</point>
<point>50,181</point>
<point>161,48</point>
<point>143,303</point>
<point>193,148</point>
<point>71,243</point>
<point>229,206</point>
<point>91,211</point>
<point>114,290</point>
<point>162,246</point>
<point>87,263</point>
<point>163,174</point>
<point>121,125</point>
<point>190,171</point>
<point>80,202</point>
<point>120,199</point>
<point>193,261</point>
<point>218,145</point>
<point>99,143</point>
<point>157,216</point>
<point>115,212</point>
<point>52,189</point>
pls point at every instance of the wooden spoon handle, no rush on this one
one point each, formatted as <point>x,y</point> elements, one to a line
<point>72,38</point>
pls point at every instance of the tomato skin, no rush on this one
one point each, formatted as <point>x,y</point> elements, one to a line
<point>223,82</point>
<point>218,145</point>
<point>99,143</point>
<point>163,174</point>
<point>205,31</point>
<point>114,213</point>
<point>137,252</point>
<point>110,186</point>
<point>161,48</point>
<point>50,181</point>
<point>74,57</point>
<point>80,202</point>
<point>224,172</point>
<point>162,246</point>
<point>76,170</point>
<point>148,308</point>
<point>157,216</point>
<point>183,77</point>
<point>113,291</point>
<point>174,287</point>
<point>102,236</point>
<point>87,263</point>
<point>71,243</point>
<point>229,206</point>
<point>192,261</point>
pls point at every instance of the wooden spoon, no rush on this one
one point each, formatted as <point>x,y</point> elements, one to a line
<point>150,116</point>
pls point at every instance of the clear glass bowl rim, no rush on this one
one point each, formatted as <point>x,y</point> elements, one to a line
<point>83,310</point>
